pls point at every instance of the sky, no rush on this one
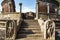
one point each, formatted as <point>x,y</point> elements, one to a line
<point>27,5</point>
<point>0,5</point>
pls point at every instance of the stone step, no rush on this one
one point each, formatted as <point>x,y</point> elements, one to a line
<point>30,31</point>
<point>28,35</point>
<point>39,38</point>
<point>57,34</point>
<point>30,20</point>
<point>57,27</point>
<point>29,28</point>
<point>57,30</point>
<point>30,38</point>
<point>33,24</point>
<point>57,23</point>
<point>29,25</point>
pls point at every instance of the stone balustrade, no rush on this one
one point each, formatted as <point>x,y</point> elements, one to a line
<point>12,23</point>
<point>47,28</point>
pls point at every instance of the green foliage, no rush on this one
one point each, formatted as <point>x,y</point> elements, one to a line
<point>59,8</point>
<point>58,1</point>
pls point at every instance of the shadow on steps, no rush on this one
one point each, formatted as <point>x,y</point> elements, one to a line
<point>22,33</point>
<point>57,37</point>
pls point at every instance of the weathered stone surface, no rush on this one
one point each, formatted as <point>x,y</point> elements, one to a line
<point>9,25</point>
<point>2,33</point>
<point>8,6</point>
<point>2,30</point>
<point>47,28</point>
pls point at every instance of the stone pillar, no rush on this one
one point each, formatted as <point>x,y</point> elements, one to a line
<point>20,4</point>
<point>20,7</point>
<point>37,3</point>
<point>48,8</point>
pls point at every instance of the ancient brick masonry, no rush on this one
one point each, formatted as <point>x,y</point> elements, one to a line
<point>8,6</point>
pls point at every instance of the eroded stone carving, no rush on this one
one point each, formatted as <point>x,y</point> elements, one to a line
<point>47,28</point>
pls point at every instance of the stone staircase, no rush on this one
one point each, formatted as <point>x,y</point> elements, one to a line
<point>29,30</point>
<point>57,28</point>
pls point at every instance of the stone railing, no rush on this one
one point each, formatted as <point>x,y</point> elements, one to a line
<point>12,23</point>
<point>8,27</point>
<point>47,28</point>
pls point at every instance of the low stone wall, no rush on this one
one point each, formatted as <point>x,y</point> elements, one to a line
<point>46,16</point>
<point>11,16</point>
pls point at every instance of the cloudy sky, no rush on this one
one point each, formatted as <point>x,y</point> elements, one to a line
<point>28,5</point>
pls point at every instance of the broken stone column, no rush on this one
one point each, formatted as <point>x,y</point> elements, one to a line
<point>37,3</point>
